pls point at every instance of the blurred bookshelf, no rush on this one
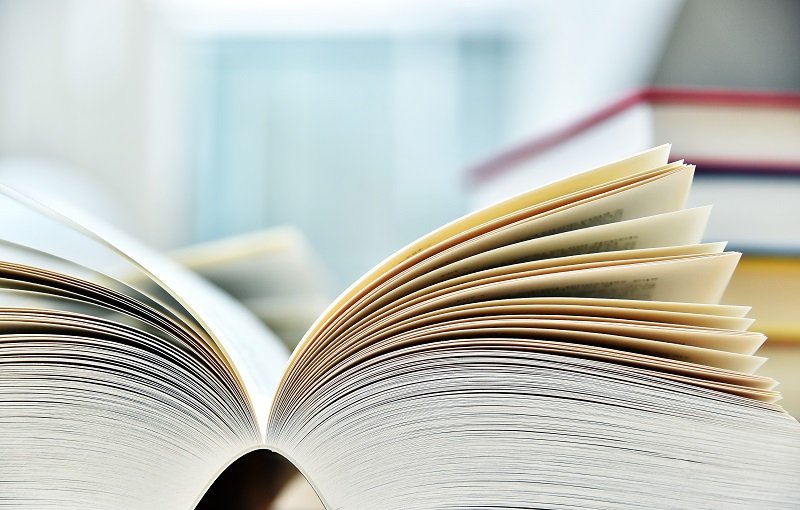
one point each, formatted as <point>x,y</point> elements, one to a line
<point>744,144</point>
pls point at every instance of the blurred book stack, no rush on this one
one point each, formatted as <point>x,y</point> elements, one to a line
<point>746,146</point>
<point>273,272</point>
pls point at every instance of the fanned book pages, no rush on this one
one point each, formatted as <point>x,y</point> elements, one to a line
<point>562,349</point>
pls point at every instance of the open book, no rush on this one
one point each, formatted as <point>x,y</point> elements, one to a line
<point>561,349</point>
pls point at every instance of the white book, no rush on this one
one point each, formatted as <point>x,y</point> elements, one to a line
<point>563,348</point>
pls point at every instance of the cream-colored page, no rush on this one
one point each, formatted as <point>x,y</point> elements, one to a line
<point>588,322</point>
<point>531,269</point>
<point>701,278</point>
<point>530,329</point>
<point>676,228</point>
<point>715,310</point>
<point>697,279</point>
<point>553,265</point>
<point>667,306</point>
<point>652,158</point>
<point>571,262</point>
<point>541,309</point>
<point>665,193</point>
<point>737,342</point>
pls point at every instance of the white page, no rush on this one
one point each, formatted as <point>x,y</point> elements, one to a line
<point>256,356</point>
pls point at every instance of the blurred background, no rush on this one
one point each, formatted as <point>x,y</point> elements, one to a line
<point>322,135</point>
<point>356,121</point>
